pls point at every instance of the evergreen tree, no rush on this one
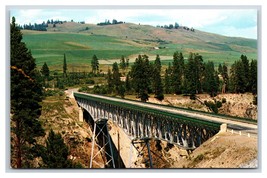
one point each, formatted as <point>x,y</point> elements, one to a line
<point>210,83</point>
<point>110,81</point>
<point>246,71</point>
<point>176,25</point>
<point>217,81</point>
<point>55,153</point>
<point>232,78</point>
<point>26,93</point>
<point>225,77</point>
<point>127,63</point>
<point>45,70</point>
<point>128,87</point>
<point>193,74</point>
<point>140,75</point>
<point>116,77</point>
<point>156,82</point>
<point>253,76</point>
<point>177,72</point>
<point>220,69</point>
<point>95,64</point>
<point>122,63</point>
<point>167,79</point>
<point>237,79</point>
<point>121,90</point>
<point>65,66</point>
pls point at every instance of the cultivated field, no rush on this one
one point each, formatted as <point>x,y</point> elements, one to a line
<point>110,42</point>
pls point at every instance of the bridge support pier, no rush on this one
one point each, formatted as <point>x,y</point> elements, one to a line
<point>102,137</point>
<point>141,152</point>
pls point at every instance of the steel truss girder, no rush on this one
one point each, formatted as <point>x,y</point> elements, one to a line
<point>140,125</point>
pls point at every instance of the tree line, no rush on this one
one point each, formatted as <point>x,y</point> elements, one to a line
<point>175,26</point>
<point>189,76</point>
<point>107,22</point>
<point>43,26</point>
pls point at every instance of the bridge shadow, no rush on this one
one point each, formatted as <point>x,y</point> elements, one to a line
<point>101,142</point>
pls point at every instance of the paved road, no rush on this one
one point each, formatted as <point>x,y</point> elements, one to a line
<point>231,124</point>
<point>69,92</point>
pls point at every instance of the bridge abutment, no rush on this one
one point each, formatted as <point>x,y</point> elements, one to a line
<point>223,128</point>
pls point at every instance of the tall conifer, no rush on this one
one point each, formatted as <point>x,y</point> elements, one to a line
<point>26,93</point>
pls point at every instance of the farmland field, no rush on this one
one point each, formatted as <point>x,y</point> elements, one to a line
<point>110,43</point>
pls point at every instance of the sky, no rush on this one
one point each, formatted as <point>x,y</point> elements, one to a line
<point>228,22</point>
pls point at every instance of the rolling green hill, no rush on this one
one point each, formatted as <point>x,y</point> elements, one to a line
<point>81,41</point>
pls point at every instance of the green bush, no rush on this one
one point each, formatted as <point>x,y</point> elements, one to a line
<point>83,89</point>
<point>224,100</point>
<point>90,81</point>
<point>212,106</point>
<point>53,93</point>
<point>100,90</point>
<point>218,104</point>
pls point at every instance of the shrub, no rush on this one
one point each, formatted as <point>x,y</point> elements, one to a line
<point>212,106</point>
<point>90,81</point>
<point>83,89</point>
<point>224,100</point>
<point>218,104</point>
<point>193,97</point>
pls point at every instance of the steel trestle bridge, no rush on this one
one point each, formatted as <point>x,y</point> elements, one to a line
<point>144,121</point>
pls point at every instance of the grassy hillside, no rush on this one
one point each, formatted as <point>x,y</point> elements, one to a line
<point>81,41</point>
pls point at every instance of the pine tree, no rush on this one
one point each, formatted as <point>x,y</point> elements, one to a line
<point>140,75</point>
<point>55,153</point>
<point>116,77</point>
<point>233,78</point>
<point>156,79</point>
<point>26,93</point>
<point>225,77</point>
<point>210,83</point>
<point>237,79</point>
<point>122,63</point>
<point>128,87</point>
<point>127,63</point>
<point>220,69</point>
<point>167,79</point>
<point>246,71</point>
<point>110,81</point>
<point>95,64</point>
<point>253,76</point>
<point>177,72</point>
<point>45,70</point>
<point>217,81</point>
<point>65,66</point>
<point>193,74</point>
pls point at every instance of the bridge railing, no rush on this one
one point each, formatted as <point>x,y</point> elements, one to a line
<point>152,111</point>
<point>223,116</point>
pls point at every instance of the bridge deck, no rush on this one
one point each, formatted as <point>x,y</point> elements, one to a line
<point>201,116</point>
